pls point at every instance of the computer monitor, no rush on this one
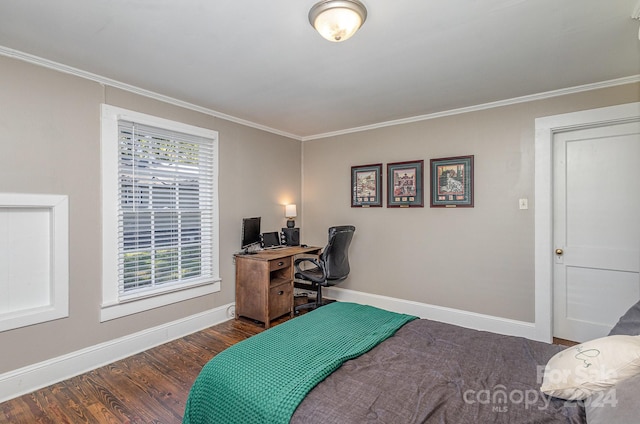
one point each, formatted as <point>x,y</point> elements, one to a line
<point>250,231</point>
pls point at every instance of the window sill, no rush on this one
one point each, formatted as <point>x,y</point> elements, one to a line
<point>118,310</point>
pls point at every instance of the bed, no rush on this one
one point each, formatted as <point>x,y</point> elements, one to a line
<point>348,363</point>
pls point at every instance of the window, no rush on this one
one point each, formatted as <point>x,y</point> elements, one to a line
<point>160,231</point>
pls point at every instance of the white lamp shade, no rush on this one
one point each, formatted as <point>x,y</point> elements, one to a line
<point>290,211</point>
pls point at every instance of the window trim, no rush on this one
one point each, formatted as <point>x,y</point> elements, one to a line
<point>113,305</point>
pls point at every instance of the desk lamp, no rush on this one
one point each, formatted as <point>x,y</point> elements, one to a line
<point>291,235</point>
<point>290,213</point>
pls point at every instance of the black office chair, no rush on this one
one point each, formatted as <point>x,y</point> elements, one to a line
<point>330,268</point>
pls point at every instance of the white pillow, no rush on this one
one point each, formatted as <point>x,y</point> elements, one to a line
<point>577,372</point>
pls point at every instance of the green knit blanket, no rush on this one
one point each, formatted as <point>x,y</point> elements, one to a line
<point>264,378</point>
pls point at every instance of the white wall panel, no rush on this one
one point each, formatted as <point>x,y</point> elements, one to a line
<point>33,259</point>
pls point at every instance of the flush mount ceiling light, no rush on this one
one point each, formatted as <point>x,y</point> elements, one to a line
<point>337,20</point>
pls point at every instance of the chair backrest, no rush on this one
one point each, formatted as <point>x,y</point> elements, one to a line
<point>335,255</point>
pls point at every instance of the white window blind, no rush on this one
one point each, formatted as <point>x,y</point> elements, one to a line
<point>165,217</point>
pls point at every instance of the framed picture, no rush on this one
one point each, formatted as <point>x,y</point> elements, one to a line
<point>452,182</point>
<point>404,184</point>
<point>366,186</point>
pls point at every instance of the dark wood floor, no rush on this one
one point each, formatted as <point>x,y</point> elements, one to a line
<point>150,387</point>
<point>564,342</point>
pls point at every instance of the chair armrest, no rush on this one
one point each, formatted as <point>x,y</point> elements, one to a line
<point>315,274</point>
<point>298,261</point>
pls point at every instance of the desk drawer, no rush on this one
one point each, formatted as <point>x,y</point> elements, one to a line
<point>281,263</point>
<point>280,300</point>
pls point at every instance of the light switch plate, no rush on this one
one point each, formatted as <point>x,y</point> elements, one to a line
<point>523,203</point>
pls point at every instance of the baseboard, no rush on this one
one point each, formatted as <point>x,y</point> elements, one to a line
<point>437,313</point>
<point>33,377</point>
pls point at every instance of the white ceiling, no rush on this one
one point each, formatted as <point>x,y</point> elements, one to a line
<point>260,61</point>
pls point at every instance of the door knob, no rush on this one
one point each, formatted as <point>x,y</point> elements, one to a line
<point>559,252</point>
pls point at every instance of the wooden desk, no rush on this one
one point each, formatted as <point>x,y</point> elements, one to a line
<point>264,283</point>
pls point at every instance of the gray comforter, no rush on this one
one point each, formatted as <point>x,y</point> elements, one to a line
<point>430,372</point>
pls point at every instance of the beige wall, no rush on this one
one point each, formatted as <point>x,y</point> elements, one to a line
<point>477,259</point>
<point>50,138</point>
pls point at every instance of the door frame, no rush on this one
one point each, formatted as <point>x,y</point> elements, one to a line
<point>545,130</point>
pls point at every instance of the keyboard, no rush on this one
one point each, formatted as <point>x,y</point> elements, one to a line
<point>274,247</point>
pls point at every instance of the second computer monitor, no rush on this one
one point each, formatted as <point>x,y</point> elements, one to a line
<point>271,239</point>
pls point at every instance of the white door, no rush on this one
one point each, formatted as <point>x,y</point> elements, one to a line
<point>596,218</point>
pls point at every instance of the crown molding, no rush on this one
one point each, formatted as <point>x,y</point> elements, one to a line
<point>529,98</point>
<point>16,54</point>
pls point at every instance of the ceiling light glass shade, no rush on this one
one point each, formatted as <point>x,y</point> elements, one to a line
<point>337,20</point>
